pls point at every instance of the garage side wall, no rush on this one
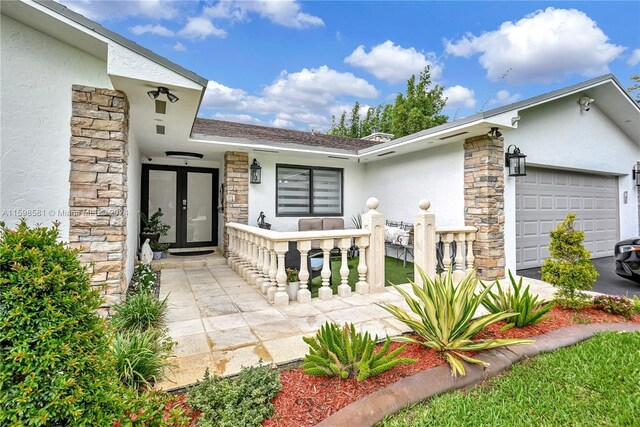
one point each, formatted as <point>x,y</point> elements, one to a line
<point>558,135</point>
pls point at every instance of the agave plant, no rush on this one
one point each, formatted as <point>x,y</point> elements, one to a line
<point>340,350</point>
<point>529,308</point>
<point>444,319</point>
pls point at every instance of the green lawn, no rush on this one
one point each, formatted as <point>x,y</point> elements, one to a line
<point>595,383</point>
<point>395,274</point>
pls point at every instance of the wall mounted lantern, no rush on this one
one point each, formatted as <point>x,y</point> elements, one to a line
<point>515,161</point>
<point>256,172</point>
<point>153,94</point>
<point>636,174</point>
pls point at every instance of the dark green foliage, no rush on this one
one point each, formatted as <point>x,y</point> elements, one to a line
<point>154,224</point>
<point>529,308</point>
<point>155,408</point>
<point>341,351</point>
<point>141,357</point>
<point>569,267</point>
<point>55,365</point>
<point>144,280</point>
<point>417,109</point>
<point>614,304</point>
<point>243,401</point>
<point>140,311</point>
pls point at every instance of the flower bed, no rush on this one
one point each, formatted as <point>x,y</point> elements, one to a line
<point>306,400</point>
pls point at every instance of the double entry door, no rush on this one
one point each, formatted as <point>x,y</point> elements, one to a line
<point>188,199</point>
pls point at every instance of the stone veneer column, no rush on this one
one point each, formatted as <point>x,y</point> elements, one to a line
<point>236,190</point>
<point>98,196</point>
<point>484,203</point>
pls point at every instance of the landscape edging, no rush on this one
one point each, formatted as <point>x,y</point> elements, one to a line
<point>423,385</point>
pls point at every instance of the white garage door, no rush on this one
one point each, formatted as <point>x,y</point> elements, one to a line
<point>544,198</point>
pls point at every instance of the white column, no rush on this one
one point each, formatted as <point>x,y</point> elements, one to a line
<point>471,259</point>
<point>273,271</point>
<point>304,295</point>
<point>281,297</point>
<point>373,221</point>
<point>447,238</point>
<point>325,291</point>
<point>231,247</point>
<point>424,242</point>
<point>259,266</point>
<point>266,283</point>
<point>461,246</point>
<point>362,287</point>
<point>344,290</point>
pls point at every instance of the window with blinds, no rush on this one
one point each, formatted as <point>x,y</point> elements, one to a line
<point>307,191</point>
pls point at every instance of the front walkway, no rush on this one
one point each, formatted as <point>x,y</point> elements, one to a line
<point>220,322</point>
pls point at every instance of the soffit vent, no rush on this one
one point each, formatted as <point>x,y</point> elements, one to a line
<point>452,136</point>
<point>161,107</point>
<point>160,129</point>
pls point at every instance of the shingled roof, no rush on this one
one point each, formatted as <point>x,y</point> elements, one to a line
<point>219,128</point>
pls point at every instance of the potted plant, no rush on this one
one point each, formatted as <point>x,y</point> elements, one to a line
<point>153,227</point>
<point>293,284</point>
<point>159,249</point>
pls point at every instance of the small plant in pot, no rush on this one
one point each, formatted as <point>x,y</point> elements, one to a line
<point>159,249</point>
<point>153,227</point>
<point>293,283</point>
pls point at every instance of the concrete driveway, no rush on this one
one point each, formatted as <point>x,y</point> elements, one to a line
<point>608,282</point>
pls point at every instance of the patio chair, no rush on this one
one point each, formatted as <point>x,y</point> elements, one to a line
<point>292,259</point>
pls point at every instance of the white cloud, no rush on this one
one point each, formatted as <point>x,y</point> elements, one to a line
<point>634,58</point>
<point>393,63</point>
<point>239,118</point>
<point>282,12</point>
<point>157,29</point>
<point>108,10</point>
<point>460,96</point>
<point>305,98</point>
<point>504,97</point>
<point>179,47</point>
<point>544,46</point>
<point>199,28</point>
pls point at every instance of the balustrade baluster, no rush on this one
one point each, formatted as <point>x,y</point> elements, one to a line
<point>281,297</point>
<point>344,290</point>
<point>273,270</point>
<point>446,258</point>
<point>304,295</point>
<point>362,287</point>
<point>325,291</point>
<point>470,257</point>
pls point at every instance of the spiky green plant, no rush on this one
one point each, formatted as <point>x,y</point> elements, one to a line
<point>140,311</point>
<point>141,357</point>
<point>445,318</point>
<point>340,350</point>
<point>529,308</point>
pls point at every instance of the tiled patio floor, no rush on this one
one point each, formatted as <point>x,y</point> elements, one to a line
<point>222,323</point>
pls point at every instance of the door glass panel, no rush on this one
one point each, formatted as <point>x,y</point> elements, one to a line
<point>162,194</point>
<point>199,206</point>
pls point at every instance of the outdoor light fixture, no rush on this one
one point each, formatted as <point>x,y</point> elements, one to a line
<point>585,103</point>
<point>515,161</point>
<point>256,172</point>
<point>494,133</point>
<point>636,174</point>
<point>183,155</point>
<point>153,94</point>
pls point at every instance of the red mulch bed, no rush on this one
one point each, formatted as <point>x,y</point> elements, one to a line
<point>306,400</point>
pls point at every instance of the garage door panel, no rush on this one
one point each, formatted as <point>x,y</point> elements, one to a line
<point>544,198</point>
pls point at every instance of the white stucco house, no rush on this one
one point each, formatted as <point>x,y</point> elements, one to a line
<point>83,143</point>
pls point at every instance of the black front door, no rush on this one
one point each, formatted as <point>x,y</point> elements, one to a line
<point>188,198</point>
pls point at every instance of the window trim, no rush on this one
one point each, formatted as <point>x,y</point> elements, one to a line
<point>311,169</point>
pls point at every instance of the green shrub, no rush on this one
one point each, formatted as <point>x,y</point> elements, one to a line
<point>529,308</point>
<point>636,305</point>
<point>141,357</point>
<point>569,267</point>
<point>340,350</point>
<point>243,401</point>
<point>140,311</point>
<point>55,365</point>
<point>614,304</point>
<point>155,408</point>
<point>444,318</point>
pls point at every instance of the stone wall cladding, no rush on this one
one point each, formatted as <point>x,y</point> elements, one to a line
<point>98,179</point>
<point>484,202</point>
<point>236,190</point>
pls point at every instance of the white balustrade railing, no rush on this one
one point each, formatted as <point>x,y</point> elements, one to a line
<point>258,255</point>
<point>427,237</point>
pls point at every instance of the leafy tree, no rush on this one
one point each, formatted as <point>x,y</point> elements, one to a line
<point>636,87</point>
<point>569,267</point>
<point>417,109</point>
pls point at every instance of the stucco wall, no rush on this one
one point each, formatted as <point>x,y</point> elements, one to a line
<point>37,74</point>
<point>262,196</point>
<point>435,174</point>
<point>133,203</point>
<point>559,135</point>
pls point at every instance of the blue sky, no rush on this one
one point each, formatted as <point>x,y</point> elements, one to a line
<point>294,64</point>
